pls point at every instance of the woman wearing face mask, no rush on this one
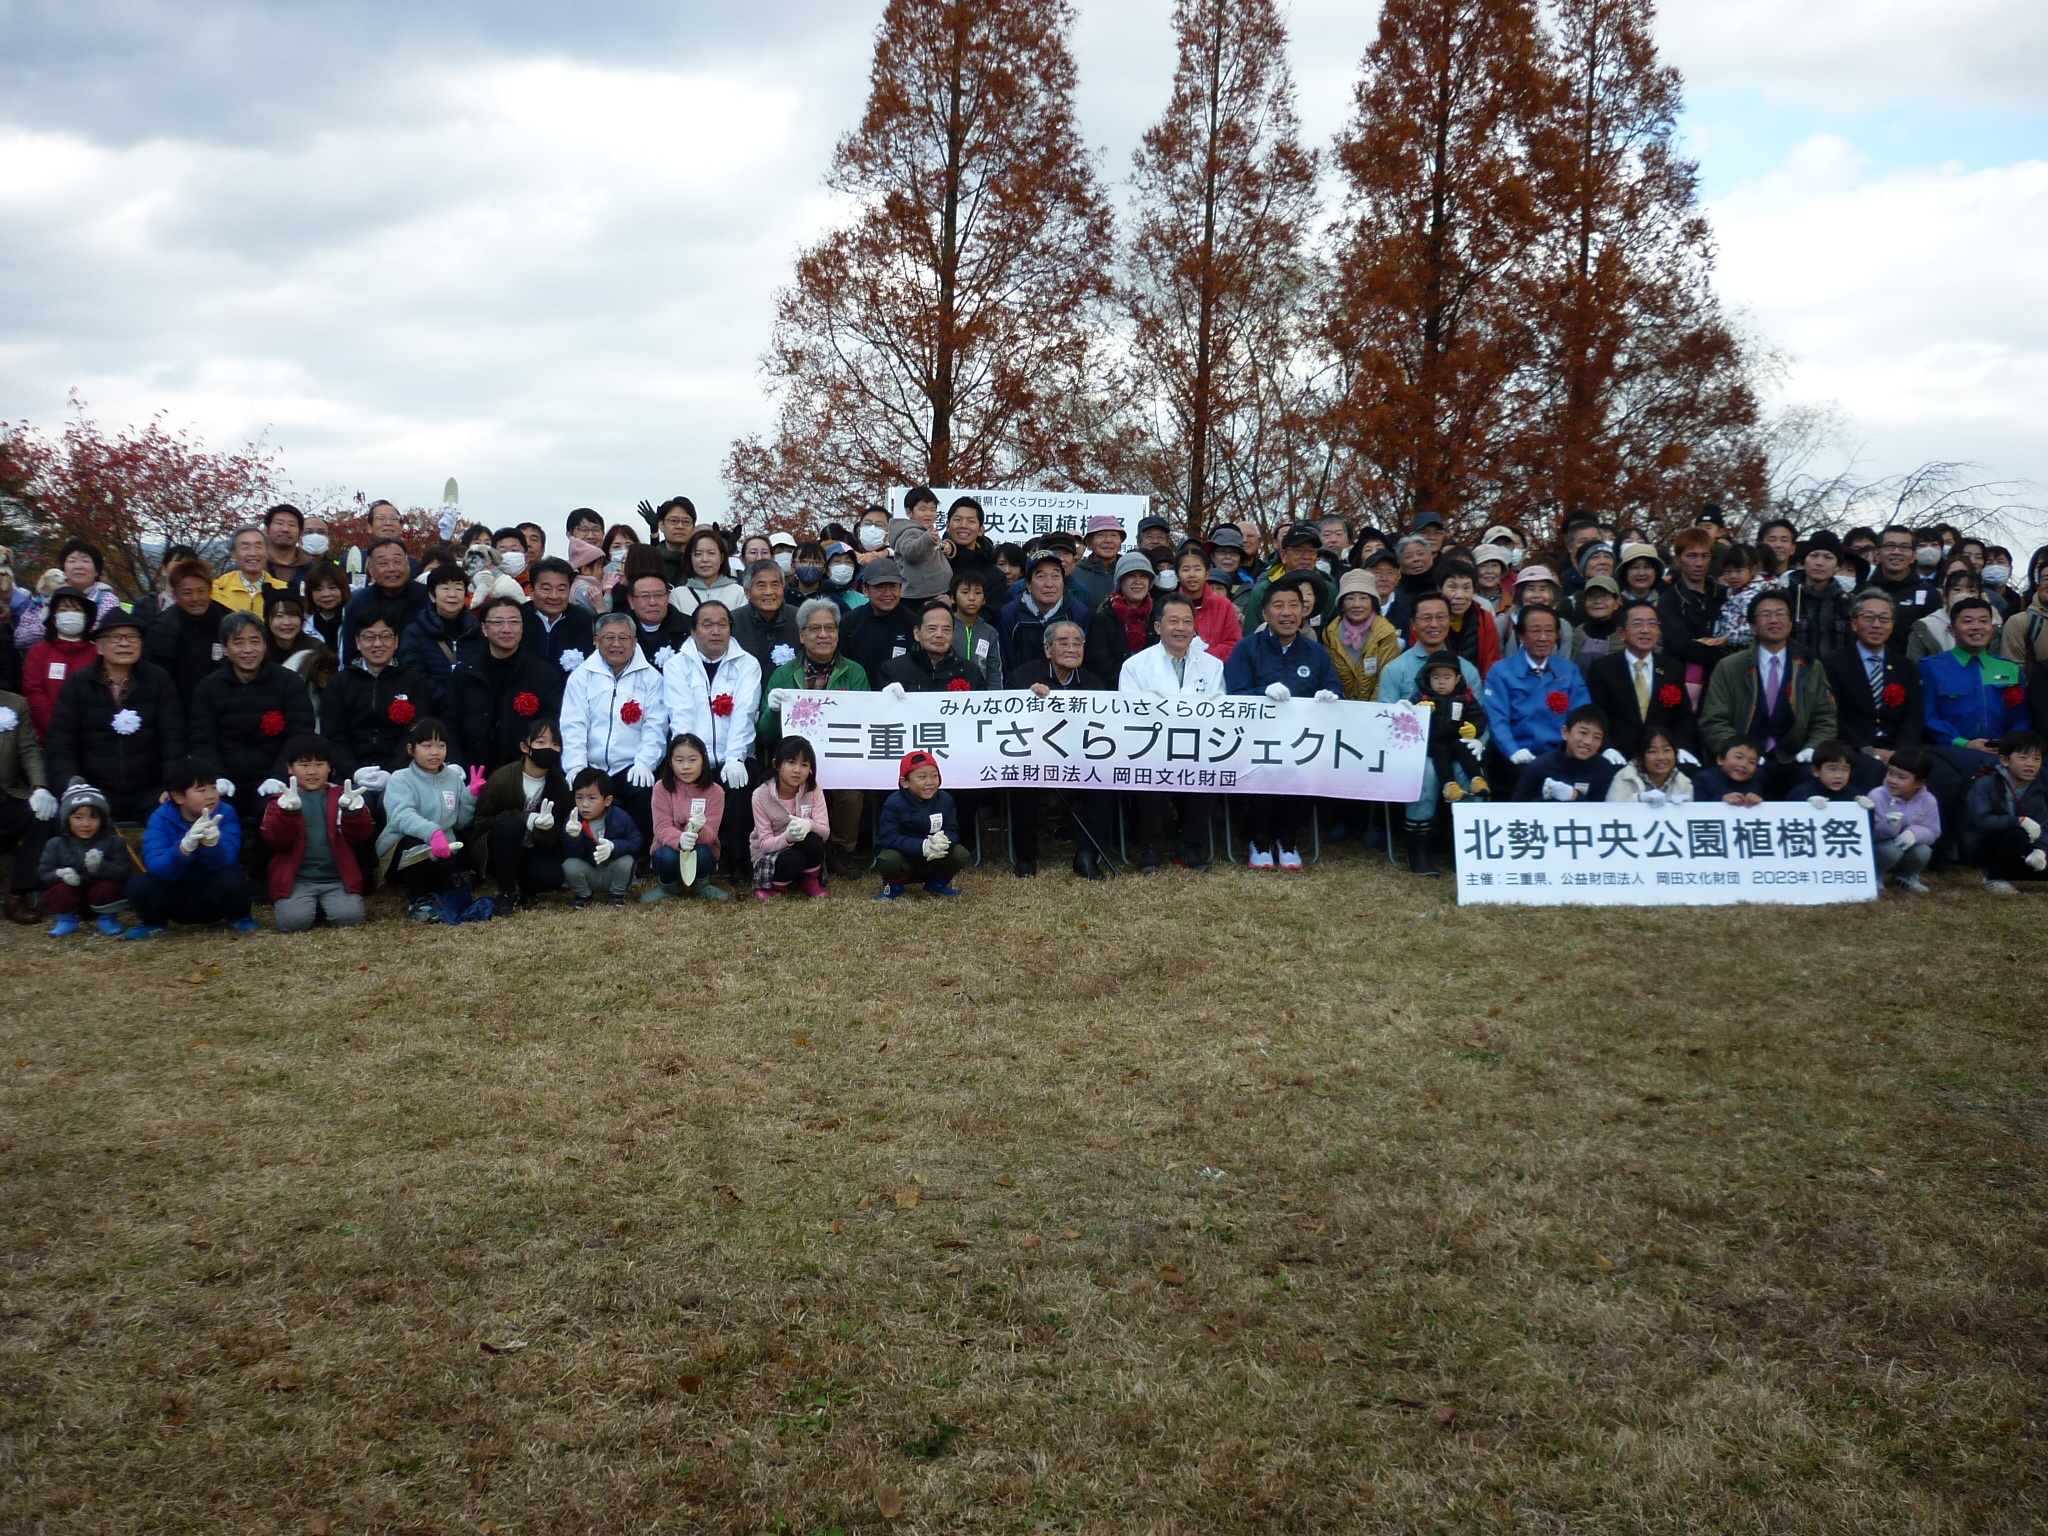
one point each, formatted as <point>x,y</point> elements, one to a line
<point>619,540</point>
<point>83,570</point>
<point>871,534</point>
<point>806,570</point>
<point>62,653</point>
<point>842,570</point>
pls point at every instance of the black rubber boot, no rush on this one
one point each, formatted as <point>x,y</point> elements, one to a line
<point>1419,862</point>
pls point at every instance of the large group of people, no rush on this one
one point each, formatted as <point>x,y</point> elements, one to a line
<point>483,725</point>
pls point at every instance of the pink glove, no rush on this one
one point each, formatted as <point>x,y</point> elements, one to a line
<point>476,781</point>
<point>439,844</point>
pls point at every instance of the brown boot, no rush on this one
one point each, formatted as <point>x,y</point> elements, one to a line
<point>19,910</point>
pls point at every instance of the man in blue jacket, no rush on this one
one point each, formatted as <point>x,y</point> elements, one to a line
<point>1283,663</point>
<point>1528,694</point>
<point>1973,697</point>
<point>191,858</point>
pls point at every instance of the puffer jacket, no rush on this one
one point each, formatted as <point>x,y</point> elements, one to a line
<point>126,765</point>
<point>242,727</point>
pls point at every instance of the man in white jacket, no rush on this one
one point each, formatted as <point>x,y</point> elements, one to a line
<point>712,689</point>
<point>1179,665</point>
<point>614,717</point>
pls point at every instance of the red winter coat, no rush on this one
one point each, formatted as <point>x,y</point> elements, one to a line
<point>1216,621</point>
<point>68,658</point>
<point>285,832</point>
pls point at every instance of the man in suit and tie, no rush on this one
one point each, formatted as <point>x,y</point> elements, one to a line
<point>1776,692</point>
<point>1877,691</point>
<point>1636,687</point>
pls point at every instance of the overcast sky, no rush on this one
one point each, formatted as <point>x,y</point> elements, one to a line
<point>536,246</point>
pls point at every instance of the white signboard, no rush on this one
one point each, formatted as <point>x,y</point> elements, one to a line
<point>1013,517</point>
<point>1014,739</point>
<point>1594,853</point>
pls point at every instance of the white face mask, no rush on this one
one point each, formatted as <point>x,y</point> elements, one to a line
<point>785,559</point>
<point>314,544</point>
<point>71,623</point>
<point>872,536</point>
<point>1927,557</point>
<point>1514,557</point>
<point>840,573</point>
<point>616,559</point>
<point>1997,575</point>
<point>1167,580</point>
<point>512,562</point>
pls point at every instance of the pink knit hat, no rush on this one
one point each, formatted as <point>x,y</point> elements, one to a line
<point>582,552</point>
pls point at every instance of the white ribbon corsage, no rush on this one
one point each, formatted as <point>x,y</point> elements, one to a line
<point>127,722</point>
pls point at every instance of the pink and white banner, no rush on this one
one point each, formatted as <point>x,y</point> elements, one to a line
<point>1015,739</point>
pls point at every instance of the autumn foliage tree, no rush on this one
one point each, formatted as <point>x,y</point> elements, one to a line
<point>1219,285</point>
<point>1640,398</point>
<point>948,333</point>
<point>131,493</point>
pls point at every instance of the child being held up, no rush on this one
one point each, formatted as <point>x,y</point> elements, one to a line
<point>599,845</point>
<point>1733,780</point>
<point>2004,814</point>
<point>313,830</point>
<point>85,864</point>
<point>787,845</point>
<point>425,803</point>
<point>689,805</point>
<point>191,857</point>
<point>918,837</point>
<point>1457,725</point>
<point>1906,818</point>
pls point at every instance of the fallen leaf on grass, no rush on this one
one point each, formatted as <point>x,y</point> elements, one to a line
<point>948,1269</point>
<point>195,1044</point>
<point>2007,1424</point>
<point>488,1528</point>
<point>952,1242</point>
<point>1493,1012</point>
<point>883,1135</point>
<point>1069,1234</point>
<point>728,1194</point>
<point>502,1346</point>
<point>1633,1168</point>
<point>1172,1275</point>
<point>834,1227</point>
<point>865,1202</point>
<point>1107,1281</point>
<point>1135,1073</point>
<point>888,1502</point>
<point>829,1125</point>
<point>1004,1181</point>
<point>803,1039</point>
<point>906,1199</point>
<point>689,1381</point>
<point>319,1525</point>
<point>1601,1261</point>
<point>1030,1242</point>
<point>1444,1413</point>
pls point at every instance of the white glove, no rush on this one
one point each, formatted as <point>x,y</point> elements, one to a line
<point>289,800</point>
<point>1803,755</point>
<point>687,839</point>
<point>2032,828</point>
<point>777,697</point>
<point>351,797</point>
<point>1523,758</point>
<point>1688,759</point>
<point>940,841</point>
<point>799,828</point>
<point>934,847</point>
<point>1324,696</point>
<point>1652,797</point>
<point>43,804</point>
<point>1895,817</point>
<point>1477,748</point>
<point>2036,861</point>
<point>734,773</point>
<point>601,850</point>
<point>542,820</point>
<point>1278,693</point>
<point>372,777</point>
<point>226,788</point>
<point>895,691</point>
<point>68,876</point>
<point>1818,802</point>
<point>1614,757</point>
<point>1866,802</point>
<point>1554,790</point>
<point>639,777</point>
<point>211,836</point>
<point>93,859</point>
<point>1907,838</point>
<point>271,787</point>
<point>194,838</point>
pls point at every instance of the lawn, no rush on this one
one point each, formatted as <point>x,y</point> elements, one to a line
<point>1208,1203</point>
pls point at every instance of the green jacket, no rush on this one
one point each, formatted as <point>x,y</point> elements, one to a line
<point>848,676</point>
<point>1733,702</point>
<point>21,754</point>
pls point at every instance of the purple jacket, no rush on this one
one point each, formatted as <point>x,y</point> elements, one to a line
<point>1920,813</point>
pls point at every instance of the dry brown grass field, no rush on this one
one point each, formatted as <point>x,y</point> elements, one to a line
<point>1220,1203</point>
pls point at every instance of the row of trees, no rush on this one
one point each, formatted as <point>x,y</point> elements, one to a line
<point>1510,313</point>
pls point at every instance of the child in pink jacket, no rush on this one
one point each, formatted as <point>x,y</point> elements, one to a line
<point>791,826</point>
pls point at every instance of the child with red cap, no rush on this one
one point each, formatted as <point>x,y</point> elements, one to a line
<point>918,837</point>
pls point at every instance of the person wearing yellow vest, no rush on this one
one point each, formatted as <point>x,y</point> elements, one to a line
<point>241,588</point>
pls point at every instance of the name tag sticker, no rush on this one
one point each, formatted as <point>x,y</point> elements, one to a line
<point>57,671</point>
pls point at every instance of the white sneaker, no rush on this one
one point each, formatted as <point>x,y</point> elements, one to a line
<point>1260,859</point>
<point>1911,883</point>
<point>1289,859</point>
<point>1998,887</point>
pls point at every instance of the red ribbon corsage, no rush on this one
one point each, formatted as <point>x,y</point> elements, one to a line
<point>630,711</point>
<point>722,706</point>
<point>525,703</point>
<point>401,711</point>
<point>1670,695</point>
<point>272,722</point>
<point>1894,695</point>
<point>2015,696</point>
<point>959,685</point>
<point>1559,701</point>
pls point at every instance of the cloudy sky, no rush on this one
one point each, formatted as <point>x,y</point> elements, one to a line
<point>535,246</point>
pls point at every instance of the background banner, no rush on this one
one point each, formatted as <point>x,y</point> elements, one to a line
<point>1599,854</point>
<point>1012,517</point>
<point>1014,739</point>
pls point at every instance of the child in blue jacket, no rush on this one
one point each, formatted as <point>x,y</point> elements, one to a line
<point>599,844</point>
<point>918,836</point>
<point>191,857</point>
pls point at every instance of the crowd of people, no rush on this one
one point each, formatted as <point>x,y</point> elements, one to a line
<point>484,724</point>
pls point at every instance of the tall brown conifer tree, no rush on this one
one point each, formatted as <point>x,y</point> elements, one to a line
<point>947,334</point>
